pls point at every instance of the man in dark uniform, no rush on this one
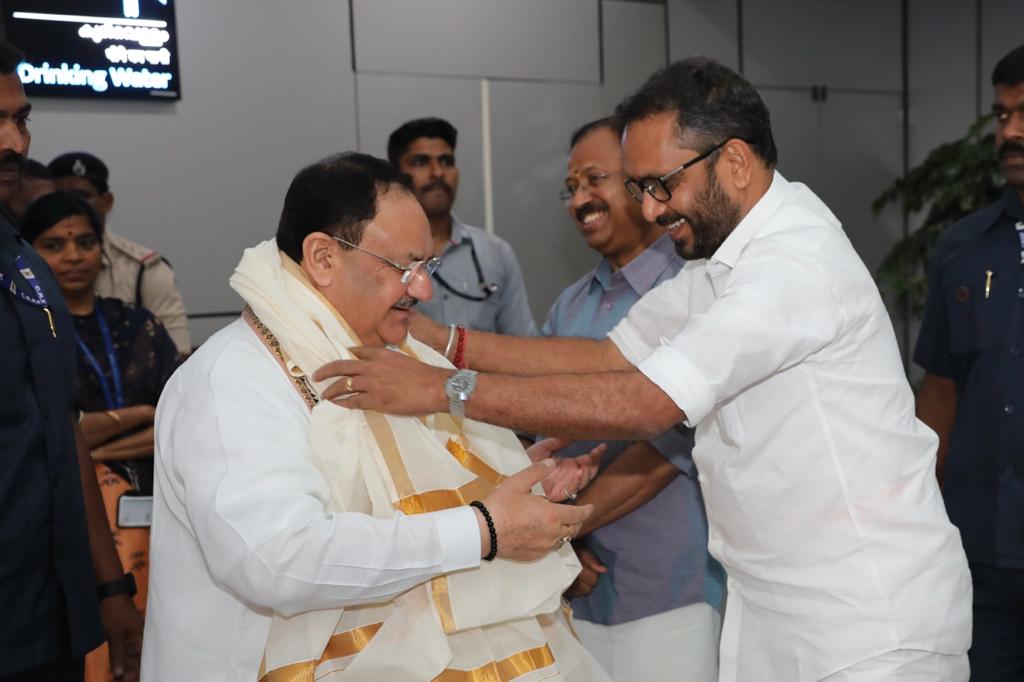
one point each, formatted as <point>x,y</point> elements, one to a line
<point>56,553</point>
<point>973,391</point>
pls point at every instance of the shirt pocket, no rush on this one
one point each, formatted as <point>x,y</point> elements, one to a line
<point>730,425</point>
<point>972,320</point>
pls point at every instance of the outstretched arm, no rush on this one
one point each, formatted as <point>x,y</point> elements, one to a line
<point>623,405</point>
<point>522,355</point>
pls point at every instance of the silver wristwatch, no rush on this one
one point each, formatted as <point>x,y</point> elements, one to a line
<point>458,388</point>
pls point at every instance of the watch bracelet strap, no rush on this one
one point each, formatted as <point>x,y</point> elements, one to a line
<point>123,585</point>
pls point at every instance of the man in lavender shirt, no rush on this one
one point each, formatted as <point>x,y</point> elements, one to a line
<point>647,600</point>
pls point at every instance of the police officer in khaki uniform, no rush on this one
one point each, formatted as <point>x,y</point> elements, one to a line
<point>131,272</point>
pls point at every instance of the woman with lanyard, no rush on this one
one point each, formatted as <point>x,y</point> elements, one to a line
<point>124,359</point>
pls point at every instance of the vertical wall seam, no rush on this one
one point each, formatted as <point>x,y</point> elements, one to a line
<point>905,106</point>
<point>355,74</point>
<point>739,35</point>
<point>485,134</point>
<point>978,35</point>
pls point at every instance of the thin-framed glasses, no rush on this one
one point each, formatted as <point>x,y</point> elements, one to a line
<point>594,179</point>
<point>656,187</point>
<point>429,266</point>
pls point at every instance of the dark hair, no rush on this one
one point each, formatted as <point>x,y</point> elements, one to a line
<point>612,123</point>
<point>35,169</point>
<point>10,57</point>
<point>407,133</point>
<point>50,209</point>
<point>1010,69</point>
<point>337,195</point>
<point>712,104</point>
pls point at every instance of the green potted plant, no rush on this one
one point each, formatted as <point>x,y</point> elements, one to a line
<point>957,178</point>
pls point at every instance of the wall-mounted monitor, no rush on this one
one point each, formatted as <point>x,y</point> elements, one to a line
<point>106,49</point>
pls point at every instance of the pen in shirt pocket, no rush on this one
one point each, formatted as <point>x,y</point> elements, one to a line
<point>988,283</point>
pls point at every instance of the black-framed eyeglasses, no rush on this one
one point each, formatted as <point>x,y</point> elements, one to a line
<point>656,187</point>
<point>594,179</point>
<point>429,266</point>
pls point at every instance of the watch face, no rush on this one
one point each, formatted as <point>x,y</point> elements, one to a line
<point>461,384</point>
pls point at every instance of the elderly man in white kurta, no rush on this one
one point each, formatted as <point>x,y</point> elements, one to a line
<point>293,538</point>
<point>773,342</point>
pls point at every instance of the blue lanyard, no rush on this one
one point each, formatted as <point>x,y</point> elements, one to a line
<point>116,399</point>
<point>39,300</point>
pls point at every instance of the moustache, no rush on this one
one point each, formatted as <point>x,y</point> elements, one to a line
<point>436,184</point>
<point>668,218</point>
<point>591,206</point>
<point>1010,147</point>
<point>12,161</point>
<point>405,303</point>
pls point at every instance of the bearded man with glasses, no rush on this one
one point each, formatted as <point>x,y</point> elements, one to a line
<point>297,539</point>
<point>774,343</point>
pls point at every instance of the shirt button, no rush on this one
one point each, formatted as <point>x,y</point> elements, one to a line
<point>56,481</point>
<point>1015,349</point>
<point>1020,292</point>
<point>1010,470</point>
<point>1008,409</point>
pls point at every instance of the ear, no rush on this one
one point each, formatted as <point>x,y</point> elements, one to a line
<point>318,259</point>
<point>738,161</point>
<point>104,203</point>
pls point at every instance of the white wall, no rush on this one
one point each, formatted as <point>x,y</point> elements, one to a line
<point>268,87</point>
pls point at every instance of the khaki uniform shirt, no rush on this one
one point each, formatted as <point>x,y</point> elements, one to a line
<point>132,271</point>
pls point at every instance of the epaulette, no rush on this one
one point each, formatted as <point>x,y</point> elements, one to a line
<point>137,252</point>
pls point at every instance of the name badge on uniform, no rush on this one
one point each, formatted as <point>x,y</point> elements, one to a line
<point>134,511</point>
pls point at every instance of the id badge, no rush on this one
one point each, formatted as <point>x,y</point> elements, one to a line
<point>134,511</point>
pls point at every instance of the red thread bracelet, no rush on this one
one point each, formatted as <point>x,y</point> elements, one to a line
<point>460,348</point>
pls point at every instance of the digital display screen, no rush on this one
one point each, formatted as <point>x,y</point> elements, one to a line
<point>105,49</point>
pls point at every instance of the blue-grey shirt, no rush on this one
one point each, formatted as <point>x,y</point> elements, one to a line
<point>505,310</point>
<point>973,333</point>
<point>657,555</point>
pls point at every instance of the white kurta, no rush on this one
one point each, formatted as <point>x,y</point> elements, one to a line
<point>239,526</point>
<point>818,479</point>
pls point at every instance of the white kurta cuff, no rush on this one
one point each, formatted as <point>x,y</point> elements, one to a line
<point>629,343</point>
<point>459,536</point>
<point>680,379</point>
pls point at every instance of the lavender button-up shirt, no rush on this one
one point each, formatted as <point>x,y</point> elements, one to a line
<point>657,555</point>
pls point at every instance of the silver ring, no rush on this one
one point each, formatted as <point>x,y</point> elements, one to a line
<point>563,540</point>
<point>570,496</point>
<point>348,384</point>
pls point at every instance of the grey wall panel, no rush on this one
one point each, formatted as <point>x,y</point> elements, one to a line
<point>942,73</point>
<point>386,102</point>
<point>530,132</point>
<point>633,36</point>
<point>703,27</point>
<point>861,157</point>
<point>531,125</point>
<point>1002,29</point>
<point>525,39</point>
<point>203,178</point>
<point>796,126</point>
<point>841,43</point>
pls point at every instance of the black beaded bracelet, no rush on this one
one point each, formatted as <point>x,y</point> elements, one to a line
<point>490,529</point>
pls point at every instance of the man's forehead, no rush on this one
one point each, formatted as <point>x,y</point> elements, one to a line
<point>1009,96</point>
<point>428,145</point>
<point>12,94</point>
<point>599,149</point>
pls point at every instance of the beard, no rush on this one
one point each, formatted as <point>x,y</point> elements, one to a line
<point>712,219</point>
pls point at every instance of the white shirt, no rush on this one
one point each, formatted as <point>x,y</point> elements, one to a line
<point>239,523</point>
<point>818,479</point>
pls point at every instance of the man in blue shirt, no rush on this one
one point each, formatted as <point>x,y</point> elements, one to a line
<point>646,600</point>
<point>56,553</point>
<point>479,284</point>
<point>973,390</point>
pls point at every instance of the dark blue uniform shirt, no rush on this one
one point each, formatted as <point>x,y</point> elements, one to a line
<point>47,585</point>
<point>973,333</point>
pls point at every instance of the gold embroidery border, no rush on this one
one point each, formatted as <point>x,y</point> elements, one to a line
<point>508,668</point>
<point>340,645</point>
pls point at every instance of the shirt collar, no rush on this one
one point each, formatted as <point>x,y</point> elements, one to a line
<point>1011,205</point>
<point>729,252</point>
<point>643,271</point>
<point>459,232</point>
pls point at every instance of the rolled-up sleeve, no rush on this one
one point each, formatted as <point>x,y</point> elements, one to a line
<point>660,313</point>
<point>773,311</point>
